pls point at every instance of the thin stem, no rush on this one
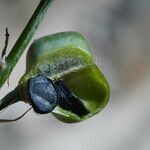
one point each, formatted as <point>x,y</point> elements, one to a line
<point>23,40</point>
<point>6,43</point>
<point>16,119</point>
<point>11,98</point>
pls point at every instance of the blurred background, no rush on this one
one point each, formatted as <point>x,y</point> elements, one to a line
<point>118,32</point>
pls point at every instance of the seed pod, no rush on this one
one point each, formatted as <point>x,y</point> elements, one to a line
<point>71,86</point>
<point>66,56</point>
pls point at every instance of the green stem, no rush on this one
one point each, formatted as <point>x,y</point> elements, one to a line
<point>23,40</point>
<point>11,98</point>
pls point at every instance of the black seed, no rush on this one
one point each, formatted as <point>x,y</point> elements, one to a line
<point>42,94</point>
<point>68,101</point>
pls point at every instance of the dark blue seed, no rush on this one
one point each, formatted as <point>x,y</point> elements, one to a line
<point>68,101</point>
<point>42,94</point>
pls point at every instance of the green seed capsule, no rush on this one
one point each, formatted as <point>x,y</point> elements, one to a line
<point>67,56</point>
<point>68,73</point>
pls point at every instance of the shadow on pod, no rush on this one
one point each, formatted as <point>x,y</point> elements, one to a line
<point>62,78</point>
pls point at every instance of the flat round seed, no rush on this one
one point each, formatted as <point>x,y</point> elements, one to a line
<point>42,94</point>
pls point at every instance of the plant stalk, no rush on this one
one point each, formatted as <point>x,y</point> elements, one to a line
<point>11,98</point>
<point>23,41</point>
